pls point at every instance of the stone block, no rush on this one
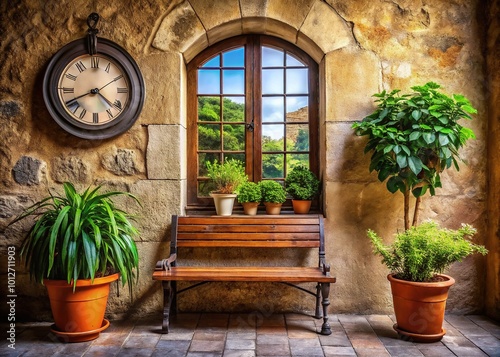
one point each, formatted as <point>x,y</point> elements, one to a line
<point>160,199</point>
<point>29,171</point>
<point>326,28</point>
<point>352,208</point>
<point>253,8</point>
<point>72,169</point>
<point>215,13</point>
<point>349,88</point>
<point>292,13</point>
<point>163,75</point>
<point>166,152</point>
<point>226,30</point>
<point>122,162</point>
<point>181,31</point>
<point>345,155</point>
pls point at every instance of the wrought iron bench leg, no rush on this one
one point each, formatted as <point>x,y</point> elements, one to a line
<point>167,302</point>
<point>325,292</point>
<point>318,314</point>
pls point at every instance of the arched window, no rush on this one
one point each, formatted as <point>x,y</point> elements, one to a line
<point>252,98</point>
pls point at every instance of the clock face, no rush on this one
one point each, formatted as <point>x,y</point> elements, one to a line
<point>93,96</point>
<point>94,90</point>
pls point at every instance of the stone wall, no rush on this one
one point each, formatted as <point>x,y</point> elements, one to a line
<point>362,47</point>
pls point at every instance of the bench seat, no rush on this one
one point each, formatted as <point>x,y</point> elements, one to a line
<point>272,274</point>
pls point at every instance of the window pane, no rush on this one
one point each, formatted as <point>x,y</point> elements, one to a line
<point>272,57</point>
<point>272,109</point>
<point>209,137</point>
<point>234,58</point>
<point>272,138</point>
<point>233,81</point>
<point>233,109</point>
<point>239,157</point>
<point>208,108</point>
<point>298,137</point>
<point>214,62</point>
<point>202,162</point>
<point>296,159</point>
<point>272,81</point>
<point>297,109</point>
<point>234,137</point>
<point>208,81</point>
<point>297,81</point>
<point>291,61</point>
<point>272,166</point>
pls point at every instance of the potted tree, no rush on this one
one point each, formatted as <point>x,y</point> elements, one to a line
<point>249,196</point>
<point>77,246</point>
<point>417,258</point>
<point>303,186</point>
<point>226,177</point>
<point>273,196</point>
<point>413,138</point>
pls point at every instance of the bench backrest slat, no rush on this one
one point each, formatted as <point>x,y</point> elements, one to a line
<point>282,231</point>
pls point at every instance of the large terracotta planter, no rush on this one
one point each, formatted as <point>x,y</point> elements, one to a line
<point>301,206</point>
<point>223,203</point>
<point>420,308</point>
<point>79,315</point>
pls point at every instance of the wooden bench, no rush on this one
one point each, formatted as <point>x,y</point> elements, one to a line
<point>236,231</point>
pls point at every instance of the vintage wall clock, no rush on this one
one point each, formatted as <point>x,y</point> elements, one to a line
<point>93,88</point>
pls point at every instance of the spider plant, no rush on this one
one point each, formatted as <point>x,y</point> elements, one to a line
<point>80,236</point>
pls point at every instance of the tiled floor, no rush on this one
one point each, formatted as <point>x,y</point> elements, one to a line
<point>231,335</point>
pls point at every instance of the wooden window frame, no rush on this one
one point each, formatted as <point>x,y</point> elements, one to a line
<point>253,112</point>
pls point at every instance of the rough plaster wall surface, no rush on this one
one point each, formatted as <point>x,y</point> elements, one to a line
<point>363,46</point>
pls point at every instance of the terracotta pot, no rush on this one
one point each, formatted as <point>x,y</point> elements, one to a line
<point>420,307</point>
<point>273,208</point>
<point>250,208</point>
<point>301,206</point>
<point>80,311</point>
<point>223,203</point>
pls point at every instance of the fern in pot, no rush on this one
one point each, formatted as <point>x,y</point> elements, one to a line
<point>413,138</point>
<point>77,244</point>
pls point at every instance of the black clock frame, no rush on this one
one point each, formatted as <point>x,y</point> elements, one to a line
<point>130,112</point>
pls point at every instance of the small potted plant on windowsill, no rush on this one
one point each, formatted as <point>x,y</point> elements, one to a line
<point>249,195</point>
<point>303,186</point>
<point>77,246</point>
<point>273,196</point>
<point>226,177</point>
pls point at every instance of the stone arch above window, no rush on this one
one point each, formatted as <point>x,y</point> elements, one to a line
<point>312,25</point>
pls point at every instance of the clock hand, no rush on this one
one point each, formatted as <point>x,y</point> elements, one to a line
<point>108,102</point>
<point>114,80</point>
<point>70,102</point>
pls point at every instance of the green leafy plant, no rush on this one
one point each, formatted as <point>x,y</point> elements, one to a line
<point>226,176</point>
<point>249,192</point>
<point>422,251</point>
<point>301,183</point>
<point>272,191</point>
<point>80,236</point>
<point>413,138</point>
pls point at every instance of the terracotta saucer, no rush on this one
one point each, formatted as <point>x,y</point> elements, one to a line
<point>415,337</point>
<point>79,336</point>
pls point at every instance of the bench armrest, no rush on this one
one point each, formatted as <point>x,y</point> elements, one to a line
<point>325,268</point>
<point>166,264</point>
